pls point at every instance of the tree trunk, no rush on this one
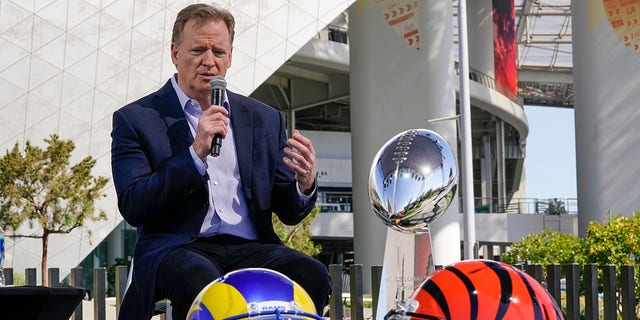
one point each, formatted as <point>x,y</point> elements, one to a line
<point>45,244</point>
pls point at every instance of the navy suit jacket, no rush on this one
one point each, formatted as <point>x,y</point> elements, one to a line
<point>162,194</point>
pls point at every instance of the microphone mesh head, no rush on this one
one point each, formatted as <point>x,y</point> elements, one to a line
<point>218,82</point>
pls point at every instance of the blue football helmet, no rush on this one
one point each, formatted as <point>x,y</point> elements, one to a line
<point>252,293</point>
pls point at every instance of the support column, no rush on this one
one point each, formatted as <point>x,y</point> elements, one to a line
<point>606,60</point>
<point>396,85</point>
<point>291,123</point>
<point>480,29</point>
<point>115,246</point>
<point>500,165</point>
<point>486,176</point>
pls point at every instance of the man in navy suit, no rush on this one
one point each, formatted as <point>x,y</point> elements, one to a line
<point>199,216</point>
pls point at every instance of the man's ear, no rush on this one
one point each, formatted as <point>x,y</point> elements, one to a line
<point>174,54</point>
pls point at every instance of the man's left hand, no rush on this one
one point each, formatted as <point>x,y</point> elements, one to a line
<point>301,158</point>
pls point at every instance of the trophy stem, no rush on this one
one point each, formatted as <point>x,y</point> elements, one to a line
<point>423,258</point>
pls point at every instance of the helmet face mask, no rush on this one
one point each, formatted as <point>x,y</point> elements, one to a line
<point>252,293</point>
<point>293,311</point>
<point>478,289</point>
<point>276,315</point>
<point>405,310</point>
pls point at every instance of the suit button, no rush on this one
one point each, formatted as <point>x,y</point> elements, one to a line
<point>206,204</point>
<point>194,236</point>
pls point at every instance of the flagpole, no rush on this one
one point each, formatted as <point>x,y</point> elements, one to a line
<point>468,213</point>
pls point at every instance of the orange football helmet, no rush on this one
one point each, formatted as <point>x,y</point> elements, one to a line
<point>478,289</point>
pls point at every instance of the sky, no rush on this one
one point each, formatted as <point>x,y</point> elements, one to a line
<point>551,154</point>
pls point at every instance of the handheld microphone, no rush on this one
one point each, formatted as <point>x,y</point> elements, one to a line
<point>218,85</point>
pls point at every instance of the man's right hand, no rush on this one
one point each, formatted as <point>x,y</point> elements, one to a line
<point>213,121</point>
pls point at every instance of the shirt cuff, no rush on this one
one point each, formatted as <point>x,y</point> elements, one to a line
<point>303,197</point>
<point>200,165</point>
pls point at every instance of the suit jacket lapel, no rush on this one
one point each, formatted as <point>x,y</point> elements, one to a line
<point>170,110</point>
<point>241,120</point>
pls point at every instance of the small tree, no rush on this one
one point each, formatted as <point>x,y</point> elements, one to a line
<point>41,187</point>
<point>616,241</point>
<point>548,247</point>
<point>299,236</point>
<point>556,207</point>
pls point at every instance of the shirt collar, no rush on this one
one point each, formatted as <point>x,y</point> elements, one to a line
<point>184,99</point>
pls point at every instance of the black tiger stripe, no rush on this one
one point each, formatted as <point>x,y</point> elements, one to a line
<point>506,287</point>
<point>437,294</point>
<point>540,312</point>
<point>537,310</point>
<point>473,297</point>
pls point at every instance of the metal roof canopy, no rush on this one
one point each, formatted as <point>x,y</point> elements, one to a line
<point>544,66</point>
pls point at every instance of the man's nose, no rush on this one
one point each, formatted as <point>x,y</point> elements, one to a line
<point>208,59</point>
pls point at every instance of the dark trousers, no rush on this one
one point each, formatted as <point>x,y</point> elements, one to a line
<point>186,270</point>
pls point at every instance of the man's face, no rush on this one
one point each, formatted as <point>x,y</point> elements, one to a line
<point>205,52</point>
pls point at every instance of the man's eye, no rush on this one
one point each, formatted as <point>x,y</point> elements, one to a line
<point>197,51</point>
<point>220,53</point>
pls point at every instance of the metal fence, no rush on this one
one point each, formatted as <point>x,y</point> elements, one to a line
<point>550,206</point>
<point>605,297</point>
<point>553,206</point>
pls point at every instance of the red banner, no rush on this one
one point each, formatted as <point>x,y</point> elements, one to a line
<point>504,44</point>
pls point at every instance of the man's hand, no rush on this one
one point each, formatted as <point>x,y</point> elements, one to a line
<point>213,121</point>
<point>301,158</point>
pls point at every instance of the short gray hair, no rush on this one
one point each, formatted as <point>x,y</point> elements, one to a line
<point>201,12</point>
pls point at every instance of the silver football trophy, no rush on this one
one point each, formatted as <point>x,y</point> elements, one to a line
<point>412,181</point>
